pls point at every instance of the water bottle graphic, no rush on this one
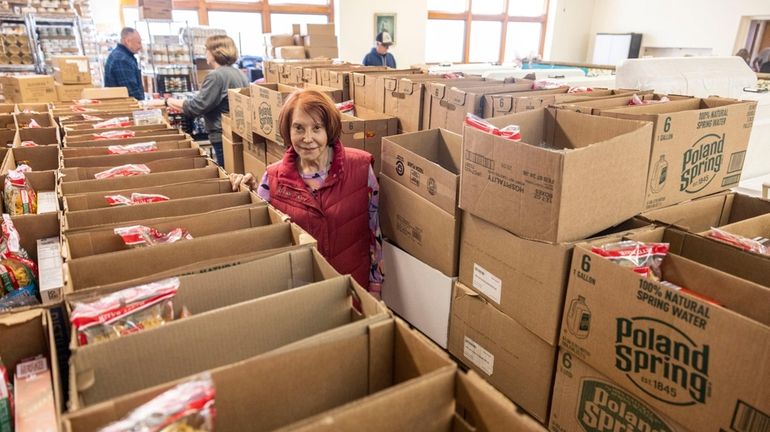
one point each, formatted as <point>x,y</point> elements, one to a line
<point>659,174</point>
<point>579,318</point>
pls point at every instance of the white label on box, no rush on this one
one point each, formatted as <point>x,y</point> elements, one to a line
<point>489,284</point>
<point>480,357</point>
<point>47,202</point>
<point>82,65</point>
<point>50,264</point>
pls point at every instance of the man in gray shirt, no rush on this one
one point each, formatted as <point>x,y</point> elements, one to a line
<point>211,101</point>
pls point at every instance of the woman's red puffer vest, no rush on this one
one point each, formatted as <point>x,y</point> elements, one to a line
<point>338,215</point>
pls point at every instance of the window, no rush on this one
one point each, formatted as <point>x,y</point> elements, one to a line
<point>244,27</point>
<point>281,23</point>
<point>496,30</point>
<point>304,2</point>
<point>444,41</point>
<point>190,16</point>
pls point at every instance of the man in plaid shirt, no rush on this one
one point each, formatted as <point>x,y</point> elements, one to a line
<point>121,68</point>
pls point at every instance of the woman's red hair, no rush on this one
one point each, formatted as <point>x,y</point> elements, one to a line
<point>318,105</point>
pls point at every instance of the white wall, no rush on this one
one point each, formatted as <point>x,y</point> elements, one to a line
<point>676,23</point>
<point>355,28</point>
<point>568,31</point>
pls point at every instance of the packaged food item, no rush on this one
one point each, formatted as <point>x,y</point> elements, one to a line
<point>87,101</point>
<point>81,109</point>
<point>643,258</point>
<point>29,144</point>
<point>33,393</point>
<point>6,400</point>
<point>20,197</point>
<point>636,100</point>
<point>127,170</point>
<point>136,198</point>
<point>113,123</point>
<point>133,148</point>
<point>346,107</point>
<point>580,90</point>
<point>545,85</point>
<point>510,132</point>
<point>18,274</point>
<point>148,117</point>
<point>187,407</point>
<point>739,241</point>
<point>140,235</point>
<point>124,312</point>
<point>118,134</point>
<point>33,124</point>
<point>91,117</point>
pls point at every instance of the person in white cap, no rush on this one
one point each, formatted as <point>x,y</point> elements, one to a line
<point>379,55</point>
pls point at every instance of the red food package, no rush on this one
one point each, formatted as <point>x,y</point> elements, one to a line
<point>644,258</point>
<point>80,109</point>
<point>580,90</point>
<point>136,198</point>
<point>114,123</point>
<point>34,124</point>
<point>545,85</point>
<point>739,241</point>
<point>133,148</point>
<point>140,235</point>
<point>91,118</point>
<point>118,134</point>
<point>346,107</point>
<point>510,132</point>
<point>87,101</point>
<point>124,312</point>
<point>123,171</point>
<point>29,144</point>
<point>636,100</point>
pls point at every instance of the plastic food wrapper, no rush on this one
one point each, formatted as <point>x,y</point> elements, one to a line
<point>18,274</point>
<point>20,197</point>
<point>643,258</point>
<point>739,241</point>
<point>124,312</point>
<point>140,235</point>
<point>580,90</point>
<point>133,148</point>
<point>636,100</point>
<point>29,111</point>
<point>6,399</point>
<point>80,109</point>
<point>127,170</point>
<point>347,107</point>
<point>87,101</point>
<point>545,85</point>
<point>91,118</point>
<point>187,407</point>
<point>136,198</point>
<point>29,144</point>
<point>148,117</point>
<point>34,124</point>
<point>510,132</point>
<point>118,134</point>
<point>113,123</point>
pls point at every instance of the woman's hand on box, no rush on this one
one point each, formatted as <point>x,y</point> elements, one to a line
<point>248,180</point>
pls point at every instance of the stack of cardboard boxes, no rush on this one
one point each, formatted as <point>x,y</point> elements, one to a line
<point>29,88</point>
<point>318,40</point>
<point>282,46</point>
<point>72,75</point>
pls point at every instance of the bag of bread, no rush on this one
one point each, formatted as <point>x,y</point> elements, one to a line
<point>20,198</point>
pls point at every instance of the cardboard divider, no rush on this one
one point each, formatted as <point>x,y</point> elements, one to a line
<point>156,166</point>
<point>78,220</point>
<point>43,119</point>
<point>36,227</point>
<point>596,106</point>
<point>88,129</point>
<point>92,135</point>
<point>170,137</point>
<point>191,170</point>
<point>74,118</point>
<point>166,260</point>
<point>43,158</point>
<point>96,200</point>
<point>570,176</point>
<point>96,241</point>
<point>365,90</point>
<point>27,107</point>
<point>8,138</point>
<point>750,228</point>
<point>74,152</point>
<point>618,319</point>
<point>10,108</point>
<point>225,336</point>
<point>114,160</point>
<point>41,136</point>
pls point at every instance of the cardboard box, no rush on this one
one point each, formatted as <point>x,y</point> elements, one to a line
<point>365,132</point>
<point>418,293</point>
<point>596,107</point>
<point>157,136</point>
<point>71,69</point>
<point>44,184</point>
<point>708,212</point>
<point>698,146</point>
<point>83,243</point>
<point>341,78</point>
<point>253,165</point>
<point>96,200</point>
<point>290,52</point>
<point>150,13</point>
<point>170,260</point>
<point>322,52</point>
<point>7,122</point>
<point>286,74</point>
<point>217,338</point>
<point>190,173</point>
<point>279,40</point>
<point>273,152</point>
<point>7,139</point>
<point>158,166</point>
<point>29,88</point>
<point>320,40</point>
<point>266,103</point>
<point>114,160</point>
<point>674,351</point>
<point>105,93</point>
<point>525,279</point>
<point>256,147</point>
<point>498,105</point>
<point>78,220</point>
<point>553,193</point>
<point>10,108</point>
<point>33,228</point>
<point>240,111</point>
<point>314,29</point>
<point>449,103</point>
<point>41,136</point>
<point>42,158</point>
<point>364,88</point>
<point>418,196</point>
<point>233,154</point>
<point>514,360</point>
<point>78,152</point>
<point>35,328</point>
<point>404,98</point>
<point>44,120</point>
<point>584,399</point>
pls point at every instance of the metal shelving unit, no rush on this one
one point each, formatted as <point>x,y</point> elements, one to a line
<point>34,24</point>
<point>157,69</point>
<point>16,68</point>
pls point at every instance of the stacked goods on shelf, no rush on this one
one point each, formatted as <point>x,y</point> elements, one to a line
<point>196,37</point>
<point>15,47</point>
<point>58,39</point>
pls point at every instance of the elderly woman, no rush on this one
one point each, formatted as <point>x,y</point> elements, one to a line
<point>211,101</point>
<point>327,189</point>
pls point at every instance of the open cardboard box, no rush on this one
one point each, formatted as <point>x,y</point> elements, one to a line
<point>341,77</point>
<point>88,129</point>
<point>596,106</point>
<point>704,365</point>
<point>44,184</point>
<point>40,136</point>
<point>757,227</point>
<point>74,152</point>
<point>590,175</point>
<point>498,105</point>
<point>84,219</point>
<point>156,166</point>
<point>39,236</point>
<point>709,212</point>
<point>96,241</point>
<point>224,336</point>
<point>170,137</point>
<point>188,170</point>
<point>96,200</point>
<point>365,129</point>
<point>42,158</point>
<point>8,138</point>
<point>113,160</point>
<point>172,259</point>
<point>25,107</point>
<point>363,88</point>
<point>43,119</point>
